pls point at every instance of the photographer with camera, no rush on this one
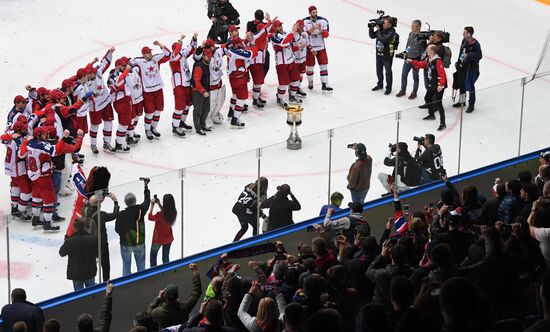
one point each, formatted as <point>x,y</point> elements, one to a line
<point>359,173</point>
<point>407,170</point>
<point>467,68</point>
<point>437,82</point>
<point>428,156</point>
<point>414,49</point>
<point>130,226</point>
<point>222,14</point>
<point>387,40</point>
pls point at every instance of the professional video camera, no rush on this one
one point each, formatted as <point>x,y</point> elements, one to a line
<point>219,28</point>
<point>380,20</point>
<point>425,35</point>
<point>419,140</point>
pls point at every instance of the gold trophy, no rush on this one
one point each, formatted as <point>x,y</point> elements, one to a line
<point>294,119</point>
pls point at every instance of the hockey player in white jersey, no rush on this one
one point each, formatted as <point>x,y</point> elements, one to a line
<point>181,82</point>
<point>151,80</point>
<point>317,28</point>
<point>300,46</point>
<point>287,69</point>
<point>102,110</point>
<point>82,88</point>
<point>134,80</point>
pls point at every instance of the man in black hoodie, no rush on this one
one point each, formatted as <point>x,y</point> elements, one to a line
<point>22,310</point>
<point>280,208</point>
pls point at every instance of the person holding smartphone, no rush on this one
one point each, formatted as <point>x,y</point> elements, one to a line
<point>162,235</point>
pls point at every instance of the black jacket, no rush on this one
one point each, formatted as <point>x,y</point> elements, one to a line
<point>407,168</point>
<point>106,316</point>
<point>91,212</point>
<point>431,160</point>
<point>82,251</point>
<point>226,9</point>
<point>25,311</point>
<point>280,210</point>
<point>386,41</point>
<point>130,224</point>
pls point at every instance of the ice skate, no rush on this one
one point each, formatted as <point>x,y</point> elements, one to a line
<point>107,147</point>
<point>149,135</point>
<point>48,228</point>
<point>155,132</point>
<point>230,114</point>
<point>36,221</point>
<point>236,124</point>
<point>178,132</point>
<point>282,103</point>
<point>58,219</point>
<point>94,149</point>
<point>257,104</point>
<point>301,93</point>
<point>262,101</point>
<point>310,86</point>
<point>120,149</point>
<point>295,100</point>
<point>326,88</point>
<point>131,141</point>
<point>185,126</point>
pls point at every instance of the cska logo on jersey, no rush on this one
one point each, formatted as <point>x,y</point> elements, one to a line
<point>151,72</point>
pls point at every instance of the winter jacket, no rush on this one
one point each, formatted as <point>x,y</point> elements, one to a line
<point>436,71</point>
<point>163,230</point>
<point>280,211</point>
<point>90,211</point>
<point>106,316</point>
<point>381,273</point>
<point>509,208</point>
<point>130,224</point>
<point>458,241</point>
<point>415,47</point>
<point>359,175</point>
<point>409,175</point>
<point>24,311</point>
<point>386,41</point>
<point>168,314</point>
<point>470,62</point>
<point>250,322</point>
<point>82,251</point>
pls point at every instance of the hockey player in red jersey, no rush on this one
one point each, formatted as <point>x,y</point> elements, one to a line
<point>238,61</point>
<point>121,89</point>
<point>317,28</point>
<point>151,80</point>
<point>15,167</point>
<point>257,63</point>
<point>101,110</point>
<point>38,153</point>
<point>287,69</point>
<point>181,82</point>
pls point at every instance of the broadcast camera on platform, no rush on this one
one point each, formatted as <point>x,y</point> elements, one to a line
<point>425,35</point>
<point>223,15</point>
<point>380,20</point>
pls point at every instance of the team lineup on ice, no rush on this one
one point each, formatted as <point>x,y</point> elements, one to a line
<point>171,88</point>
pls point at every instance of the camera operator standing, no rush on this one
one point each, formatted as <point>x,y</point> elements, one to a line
<point>408,171</point>
<point>430,160</point>
<point>359,174</point>
<point>437,82</point>
<point>222,14</point>
<point>414,49</point>
<point>386,44</point>
<point>467,68</point>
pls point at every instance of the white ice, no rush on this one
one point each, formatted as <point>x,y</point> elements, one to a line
<point>47,41</point>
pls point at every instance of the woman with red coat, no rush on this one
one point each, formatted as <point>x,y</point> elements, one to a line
<point>162,235</point>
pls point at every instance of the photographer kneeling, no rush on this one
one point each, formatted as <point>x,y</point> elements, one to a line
<point>408,171</point>
<point>430,160</point>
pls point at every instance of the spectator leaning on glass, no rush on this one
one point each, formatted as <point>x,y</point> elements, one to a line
<point>437,82</point>
<point>386,44</point>
<point>413,51</point>
<point>408,171</point>
<point>280,208</point>
<point>130,226</point>
<point>359,173</point>
<point>430,159</point>
<point>82,251</point>
<point>467,68</point>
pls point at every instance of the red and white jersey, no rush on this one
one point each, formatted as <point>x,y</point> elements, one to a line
<point>13,116</point>
<point>317,30</point>
<point>151,79</point>
<point>14,165</point>
<point>181,75</point>
<point>102,95</point>
<point>216,64</point>
<point>119,85</point>
<point>39,159</point>
<point>300,44</point>
<point>134,80</point>
<point>283,48</point>
<point>260,40</point>
<point>79,92</point>
<point>238,60</point>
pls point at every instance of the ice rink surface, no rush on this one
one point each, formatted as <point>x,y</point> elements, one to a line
<point>46,42</point>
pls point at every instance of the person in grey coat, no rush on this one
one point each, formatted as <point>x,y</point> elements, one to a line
<point>268,317</point>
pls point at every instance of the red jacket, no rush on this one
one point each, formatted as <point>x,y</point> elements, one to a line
<point>163,230</point>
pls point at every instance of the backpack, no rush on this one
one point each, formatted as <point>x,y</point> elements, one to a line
<point>447,55</point>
